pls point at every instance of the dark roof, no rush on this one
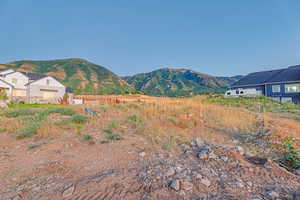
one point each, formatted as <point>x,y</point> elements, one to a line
<point>33,76</point>
<point>281,75</point>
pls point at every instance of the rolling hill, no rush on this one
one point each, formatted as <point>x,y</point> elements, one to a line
<point>179,82</point>
<point>83,76</point>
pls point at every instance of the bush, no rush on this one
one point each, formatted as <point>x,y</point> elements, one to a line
<point>87,137</point>
<point>20,112</point>
<point>79,119</point>
<point>291,158</point>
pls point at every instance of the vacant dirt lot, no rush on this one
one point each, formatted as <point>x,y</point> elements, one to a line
<point>159,148</point>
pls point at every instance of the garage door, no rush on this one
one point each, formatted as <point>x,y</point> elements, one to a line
<point>48,95</point>
<point>19,93</point>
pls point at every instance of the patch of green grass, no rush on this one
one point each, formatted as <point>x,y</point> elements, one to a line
<point>110,134</point>
<point>33,146</point>
<point>135,121</point>
<point>79,119</point>
<point>19,112</point>
<point>291,158</point>
<point>87,137</point>
<point>32,105</point>
<point>257,104</point>
<point>40,116</point>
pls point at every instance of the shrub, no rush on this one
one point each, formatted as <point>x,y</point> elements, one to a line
<point>33,146</point>
<point>135,120</point>
<point>79,119</point>
<point>291,157</point>
<point>19,112</point>
<point>110,134</point>
<point>87,137</point>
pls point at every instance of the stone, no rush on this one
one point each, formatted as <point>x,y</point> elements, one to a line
<point>205,181</point>
<point>240,150</point>
<point>212,155</point>
<point>186,185</point>
<point>272,194</point>
<point>224,158</point>
<point>142,154</point>
<point>297,172</point>
<point>170,172</point>
<point>69,191</point>
<point>198,142</point>
<point>175,185</point>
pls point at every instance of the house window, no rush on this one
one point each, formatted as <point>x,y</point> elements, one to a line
<point>14,81</point>
<point>289,88</point>
<point>48,82</point>
<point>275,88</point>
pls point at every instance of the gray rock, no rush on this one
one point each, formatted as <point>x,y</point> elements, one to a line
<point>175,185</point>
<point>272,194</point>
<point>205,181</point>
<point>198,142</point>
<point>202,155</point>
<point>170,172</point>
<point>186,185</point>
<point>69,191</point>
<point>240,150</point>
<point>142,154</point>
<point>212,155</point>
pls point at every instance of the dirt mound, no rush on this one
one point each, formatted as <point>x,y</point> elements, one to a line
<point>204,171</point>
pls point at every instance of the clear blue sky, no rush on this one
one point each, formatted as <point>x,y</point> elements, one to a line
<point>219,37</point>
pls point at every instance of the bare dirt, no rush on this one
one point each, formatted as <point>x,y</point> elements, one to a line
<point>66,168</point>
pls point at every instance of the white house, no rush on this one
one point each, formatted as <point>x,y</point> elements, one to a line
<point>30,87</point>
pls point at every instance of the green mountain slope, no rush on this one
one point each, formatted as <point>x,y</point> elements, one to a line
<point>179,82</point>
<point>83,76</point>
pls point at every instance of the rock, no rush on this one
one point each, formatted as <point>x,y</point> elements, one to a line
<point>69,191</point>
<point>198,142</point>
<point>272,194</point>
<point>186,185</point>
<point>170,172</point>
<point>142,154</point>
<point>240,150</point>
<point>175,185</point>
<point>212,155</point>
<point>224,158</point>
<point>202,155</point>
<point>205,181</point>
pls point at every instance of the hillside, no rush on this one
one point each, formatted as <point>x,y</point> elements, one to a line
<point>83,76</point>
<point>179,82</point>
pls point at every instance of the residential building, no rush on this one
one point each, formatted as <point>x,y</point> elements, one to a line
<point>282,85</point>
<point>31,87</point>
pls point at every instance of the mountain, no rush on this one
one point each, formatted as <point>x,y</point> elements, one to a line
<point>81,75</point>
<point>179,82</point>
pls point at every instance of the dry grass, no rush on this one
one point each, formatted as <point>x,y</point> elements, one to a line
<point>165,123</point>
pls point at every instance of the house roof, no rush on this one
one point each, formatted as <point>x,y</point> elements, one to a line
<point>6,83</point>
<point>289,74</point>
<point>33,76</point>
